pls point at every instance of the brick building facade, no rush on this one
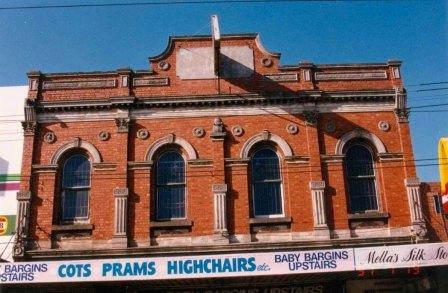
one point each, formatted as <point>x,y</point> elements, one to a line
<point>183,160</point>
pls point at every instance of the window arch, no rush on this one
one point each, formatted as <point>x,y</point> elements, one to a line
<point>266,183</point>
<point>170,186</point>
<point>360,176</point>
<point>75,188</point>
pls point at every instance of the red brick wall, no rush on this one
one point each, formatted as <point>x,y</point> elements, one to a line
<point>310,142</point>
<point>438,223</point>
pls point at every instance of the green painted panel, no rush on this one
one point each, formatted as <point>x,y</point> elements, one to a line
<point>7,224</point>
<point>9,177</point>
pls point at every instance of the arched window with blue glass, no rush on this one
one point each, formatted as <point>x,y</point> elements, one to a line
<point>170,186</point>
<point>360,178</point>
<point>266,183</point>
<point>75,188</point>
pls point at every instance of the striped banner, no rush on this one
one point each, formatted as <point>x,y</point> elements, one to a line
<point>9,182</point>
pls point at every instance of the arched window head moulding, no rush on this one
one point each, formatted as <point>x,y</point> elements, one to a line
<point>77,143</point>
<point>372,138</point>
<point>170,139</point>
<point>265,136</point>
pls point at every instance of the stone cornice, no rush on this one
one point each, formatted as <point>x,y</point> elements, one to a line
<point>79,74</point>
<point>153,251</point>
<point>216,100</point>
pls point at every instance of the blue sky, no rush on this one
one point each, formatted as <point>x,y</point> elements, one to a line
<point>108,38</point>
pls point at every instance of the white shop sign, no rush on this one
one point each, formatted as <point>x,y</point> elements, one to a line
<point>401,256</point>
<point>156,268</point>
<point>227,265</point>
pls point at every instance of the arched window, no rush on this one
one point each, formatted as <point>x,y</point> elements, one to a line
<point>75,188</point>
<point>170,186</point>
<point>266,183</point>
<point>359,167</point>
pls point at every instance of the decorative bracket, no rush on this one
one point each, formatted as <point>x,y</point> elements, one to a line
<point>123,124</point>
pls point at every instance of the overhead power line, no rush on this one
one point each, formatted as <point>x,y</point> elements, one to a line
<point>428,83</point>
<point>429,106</point>
<point>167,2</point>
<point>429,90</point>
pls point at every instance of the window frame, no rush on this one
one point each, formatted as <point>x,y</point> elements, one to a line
<point>156,186</point>
<point>438,206</point>
<point>88,188</point>
<point>374,177</point>
<point>280,182</point>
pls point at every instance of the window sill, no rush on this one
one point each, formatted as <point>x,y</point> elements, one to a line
<point>268,221</point>
<point>184,223</point>
<point>369,216</point>
<point>72,228</point>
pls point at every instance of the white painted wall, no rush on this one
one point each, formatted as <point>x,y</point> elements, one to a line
<point>11,144</point>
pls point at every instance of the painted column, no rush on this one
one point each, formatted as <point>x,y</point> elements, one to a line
<point>30,127</point>
<point>319,214</point>
<point>311,116</point>
<point>23,216</point>
<point>120,216</point>
<point>120,194</point>
<point>219,204</point>
<point>219,188</point>
<point>415,206</point>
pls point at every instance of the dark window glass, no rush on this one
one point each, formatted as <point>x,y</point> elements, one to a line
<point>170,187</point>
<point>438,203</point>
<point>266,183</point>
<point>75,188</point>
<point>361,179</point>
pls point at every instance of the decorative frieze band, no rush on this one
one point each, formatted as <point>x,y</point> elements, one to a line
<point>354,75</point>
<point>151,81</point>
<point>79,84</point>
<point>283,77</point>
